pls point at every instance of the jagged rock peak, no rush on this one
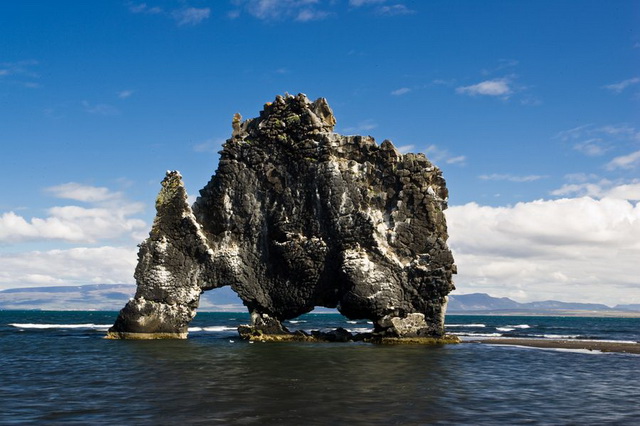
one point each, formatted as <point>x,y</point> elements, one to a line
<point>287,114</point>
<point>295,217</point>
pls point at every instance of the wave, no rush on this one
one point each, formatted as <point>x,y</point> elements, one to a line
<point>214,329</point>
<point>466,325</point>
<point>480,334</point>
<point>556,336</point>
<point>360,330</point>
<point>60,326</point>
<point>505,328</point>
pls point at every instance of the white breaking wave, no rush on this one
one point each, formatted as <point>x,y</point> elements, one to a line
<point>480,334</point>
<point>520,326</point>
<point>215,329</point>
<point>557,336</point>
<point>48,326</point>
<point>360,330</point>
<point>466,325</point>
<point>505,328</point>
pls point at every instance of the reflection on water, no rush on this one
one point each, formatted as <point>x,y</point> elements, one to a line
<point>73,375</point>
<point>242,382</point>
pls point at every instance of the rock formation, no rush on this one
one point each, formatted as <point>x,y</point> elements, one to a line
<point>295,217</point>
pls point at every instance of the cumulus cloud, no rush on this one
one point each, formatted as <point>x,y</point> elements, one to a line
<point>572,249</point>
<point>76,266</point>
<point>109,216</point>
<point>496,87</point>
<point>592,186</point>
<point>622,85</point>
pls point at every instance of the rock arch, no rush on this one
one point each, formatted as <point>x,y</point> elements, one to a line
<point>298,216</point>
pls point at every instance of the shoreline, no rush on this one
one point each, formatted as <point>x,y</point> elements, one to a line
<point>590,345</point>
<point>558,313</point>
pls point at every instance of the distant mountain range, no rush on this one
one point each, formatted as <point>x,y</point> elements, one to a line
<point>483,303</point>
<point>112,297</point>
<point>101,297</point>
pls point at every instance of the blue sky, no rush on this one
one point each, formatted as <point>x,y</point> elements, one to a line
<point>529,108</point>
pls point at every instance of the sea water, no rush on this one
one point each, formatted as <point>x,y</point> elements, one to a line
<point>57,368</point>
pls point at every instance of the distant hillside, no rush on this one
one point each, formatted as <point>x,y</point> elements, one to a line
<point>112,297</point>
<point>483,303</point>
<point>101,297</point>
<point>632,307</point>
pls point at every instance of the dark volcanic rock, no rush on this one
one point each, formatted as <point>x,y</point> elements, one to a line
<point>298,216</point>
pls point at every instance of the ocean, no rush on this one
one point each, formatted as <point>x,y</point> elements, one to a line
<point>57,368</point>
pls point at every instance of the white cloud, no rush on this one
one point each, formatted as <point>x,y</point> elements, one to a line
<point>460,159</point>
<point>405,148</point>
<point>401,91</point>
<point>186,16</point>
<point>358,3</point>
<point>394,10</point>
<point>306,15</point>
<point>110,217</point>
<point>190,15</point>
<point>578,249</point>
<point>591,186</point>
<point>124,94</point>
<point>620,86</point>
<point>76,266</point>
<point>19,68</point>
<point>597,140</point>
<point>99,109</point>
<point>279,10</point>
<point>363,126</point>
<point>443,82</point>
<point>70,223</point>
<point>20,73</point>
<point>144,9</point>
<point>210,145</point>
<point>80,192</point>
<point>592,147</point>
<point>496,87</point>
<point>512,178</point>
<point>628,161</point>
<point>437,155</point>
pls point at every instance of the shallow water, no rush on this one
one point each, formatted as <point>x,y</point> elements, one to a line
<point>72,375</point>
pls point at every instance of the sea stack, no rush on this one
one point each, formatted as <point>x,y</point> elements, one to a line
<point>298,216</point>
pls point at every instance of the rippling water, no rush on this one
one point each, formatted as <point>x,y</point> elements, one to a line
<point>56,368</point>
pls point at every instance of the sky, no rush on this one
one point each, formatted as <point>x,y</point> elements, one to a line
<point>529,108</point>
